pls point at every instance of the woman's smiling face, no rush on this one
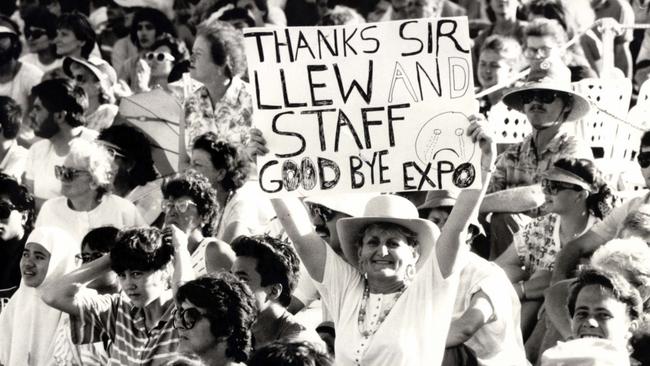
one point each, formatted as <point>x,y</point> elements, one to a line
<point>34,264</point>
<point>385,253</point>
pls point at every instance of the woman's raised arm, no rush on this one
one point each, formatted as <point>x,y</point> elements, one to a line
<point>453,234</point>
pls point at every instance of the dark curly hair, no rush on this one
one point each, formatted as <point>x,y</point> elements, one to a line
<point>228,156</point>
<point>101,239</point>
<point>10,117</point>
<point>157,18</point>
<point>63,95</point>
<point>136,147</point>
<point>195,185</point>
<point>141,249</point>
<point>290,353</point>
<point>79,24</point>
<point>601,198</point>
<point>277,261</point>
<point>230,307</point>
<point>226,46</point>
<point>20,197</point>
<point>614,283</point>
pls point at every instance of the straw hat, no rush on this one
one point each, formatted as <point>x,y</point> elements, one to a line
<point>435,199</point>
<point>549,75</point>
<point>387,209</point>
<point>350,204</point>
<point>446,197</point>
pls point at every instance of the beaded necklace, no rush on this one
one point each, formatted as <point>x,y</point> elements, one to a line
<point>365,303</point>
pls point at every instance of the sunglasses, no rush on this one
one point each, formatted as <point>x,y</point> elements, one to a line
<point>87,258</point>
<point>552,187</point>
<point>544,96</point>
<point>643,159</point>
<point>66,174</point>
<point>35,33</point>
<point>186,318</point>
<point>542,52</point>
<point>159,56</point>
<point>179,206</point>
<point>321,211</point>
<point>5,209</point>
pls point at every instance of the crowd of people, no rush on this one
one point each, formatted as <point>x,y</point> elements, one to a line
<point>113,254</point>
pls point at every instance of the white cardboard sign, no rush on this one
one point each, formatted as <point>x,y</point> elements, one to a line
<point>375,107</point>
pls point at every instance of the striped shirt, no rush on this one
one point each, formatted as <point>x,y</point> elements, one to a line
<point>113,318</point>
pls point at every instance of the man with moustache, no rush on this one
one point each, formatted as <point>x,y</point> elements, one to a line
<point>57,116</point>
<point>548,101</point>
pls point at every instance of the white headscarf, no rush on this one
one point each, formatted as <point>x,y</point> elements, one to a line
<point>28,325</point>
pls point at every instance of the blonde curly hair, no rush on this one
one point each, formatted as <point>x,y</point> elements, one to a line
<point>94,158</point>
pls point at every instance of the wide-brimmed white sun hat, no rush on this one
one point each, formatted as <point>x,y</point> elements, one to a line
<point>549,75</point>
<point>387,209</point>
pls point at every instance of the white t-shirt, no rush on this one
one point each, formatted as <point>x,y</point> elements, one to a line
<point>413,333</point>
<point>39,168</point>
<point>112,211</point>
<point>14,162</point>
<point>499,342</point>
<point>21,85</point>
<point>32,58</point>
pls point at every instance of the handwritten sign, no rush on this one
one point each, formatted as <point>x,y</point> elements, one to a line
<point>375,107</point>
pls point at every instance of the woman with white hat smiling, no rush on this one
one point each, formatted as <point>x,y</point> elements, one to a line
<point>391,296</point>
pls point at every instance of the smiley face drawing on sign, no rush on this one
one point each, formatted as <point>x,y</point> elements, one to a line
<point>443,139</point>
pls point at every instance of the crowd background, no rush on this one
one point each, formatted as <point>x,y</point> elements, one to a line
<point>122,243</point>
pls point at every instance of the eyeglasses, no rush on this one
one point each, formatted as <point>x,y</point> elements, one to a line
<point>159,56</point>
<point>542,52</point>
<point>644,159</point>
<point>87,258</point>
<point>544,96</point>
<point>5,209</point>
<point>186,318</point>
<point>552,187</point>
<point>323,212</point>
<point>35,33</point>
<point>179,206</point>
<point>66,174</point>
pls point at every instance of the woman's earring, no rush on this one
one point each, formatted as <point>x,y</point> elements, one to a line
<point>410,272</point>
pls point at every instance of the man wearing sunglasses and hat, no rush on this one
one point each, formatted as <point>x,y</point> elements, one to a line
<point>569,257</point>
<point>548,101</point>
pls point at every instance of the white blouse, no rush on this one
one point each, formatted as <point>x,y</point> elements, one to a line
<point>413,333</point>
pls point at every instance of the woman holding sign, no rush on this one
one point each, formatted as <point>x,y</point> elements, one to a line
<point>392,294</point>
